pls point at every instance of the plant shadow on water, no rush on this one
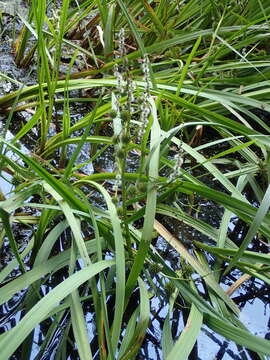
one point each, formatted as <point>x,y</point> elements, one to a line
<point>252,297</point>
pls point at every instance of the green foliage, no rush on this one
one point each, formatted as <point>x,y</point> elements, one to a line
<point>188,78</point>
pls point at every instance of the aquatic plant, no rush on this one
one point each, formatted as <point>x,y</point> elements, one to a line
<point>176,93</point>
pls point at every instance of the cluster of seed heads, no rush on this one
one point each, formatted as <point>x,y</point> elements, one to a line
<point>125,85</point>
<point>119,154</point>
<point>178,160</point>
<point>146,74</point>
<point>118,70</point>
<point>121,38</point>
<point>117,183</point>
<point>131,88</point>
<point>145,110</point>
<point>120,87</point>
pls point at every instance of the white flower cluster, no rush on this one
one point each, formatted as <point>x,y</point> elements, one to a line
<point>178,158</point>
<point>121,48</point>
<point>120,87</point>
<point>131,88</point>
<point>146,74</point>
<point>145,110</point>
<point>117,182</point>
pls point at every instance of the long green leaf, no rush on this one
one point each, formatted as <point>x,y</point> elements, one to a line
<point>13,338</point>
<point>188,337</point>
<point>151,200</point>
<point>239,336</point>
<point>256,223</point>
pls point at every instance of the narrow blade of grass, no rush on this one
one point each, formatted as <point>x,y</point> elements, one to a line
<point>184,345</point>
<point>254,226</point>
<point>13,338</point>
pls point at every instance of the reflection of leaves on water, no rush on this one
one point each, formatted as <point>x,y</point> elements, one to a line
<point>224,347</point>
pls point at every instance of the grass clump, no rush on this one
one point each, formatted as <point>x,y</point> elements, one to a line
<point>175,120</point>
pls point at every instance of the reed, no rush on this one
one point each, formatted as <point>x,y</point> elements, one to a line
<point>177,96</point>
